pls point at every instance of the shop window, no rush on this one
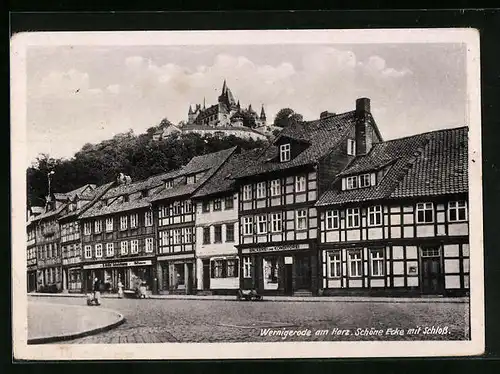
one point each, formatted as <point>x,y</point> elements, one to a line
<point>218,269</point>
<point>270,271</point>
<point>229,203</point>
<point>149,245</point>
<point>232,268</point>
<point>375,215</point>
<point>179,273</point>
<point>247,192</point>
<point>457,211</point>
<point>425,213</point>
<point>301,219</point>
<point>217,233</point>
<point>247,267</point>
<point>275,187</point>
<point>206,207</point>
<point>352,218</point>
<point>109,224</point>
<point>300,184</point>
<point>217,204</point>
<point>206,235</point>
<point>377,262</point>
<point>332,219</point>
<point>248,225</point>
<point>261,190</point>
<point>355,263</point>
<point>334,265</point>
<point>148,218</point>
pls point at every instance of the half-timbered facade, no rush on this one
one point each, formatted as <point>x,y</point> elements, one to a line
<point>119,236</point>
<point>175,217</point>
<point>278,220</point>
<point>217,229</point>
<point>31,251</point>
<point>396,220</point>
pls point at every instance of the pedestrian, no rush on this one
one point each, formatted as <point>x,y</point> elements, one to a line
<point>120,289</point>
<point>97,291</point>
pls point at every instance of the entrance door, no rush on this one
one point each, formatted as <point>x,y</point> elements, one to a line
<point>288,279</point>
<point>189,286</point>
<point>302,272</point>
<point>206,275</point>
<point>432,274</point>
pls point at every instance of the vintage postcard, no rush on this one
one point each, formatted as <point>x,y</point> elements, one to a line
<point>246,194</point>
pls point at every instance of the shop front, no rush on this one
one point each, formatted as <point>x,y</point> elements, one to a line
<point>286,269</point>
<point>130,273</point>
<point>177,274</point>
<point>31,277</point>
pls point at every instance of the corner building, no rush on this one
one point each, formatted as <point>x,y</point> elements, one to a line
<point>395,221</point>
<point>278,219</point>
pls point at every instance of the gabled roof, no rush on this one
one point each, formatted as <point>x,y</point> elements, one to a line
<point>428,164</point>
<point>91,197</point>
<point>223,180</point>
<point>209,163</point>
<point>322,135</point>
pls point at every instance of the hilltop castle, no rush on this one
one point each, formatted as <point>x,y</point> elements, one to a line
<point>227,112</point>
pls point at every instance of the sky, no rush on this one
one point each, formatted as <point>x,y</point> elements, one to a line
<point>86,94</point>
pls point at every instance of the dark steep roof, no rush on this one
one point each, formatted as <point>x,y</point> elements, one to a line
<point>223,180</point>
<point>91,197</point>
<point>428,164</point>
<point>322,135</point>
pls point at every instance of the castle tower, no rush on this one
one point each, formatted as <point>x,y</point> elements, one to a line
<point>191,116</point>
<point>262,114</point>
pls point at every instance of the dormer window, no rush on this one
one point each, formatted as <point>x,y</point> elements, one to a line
<point>145,193</point>
<point>352,183</point>
<point>364,180</point>
<point>285,152</point>
<point>169,184</point>
<point>191,179</point>
<point>351,147</point>
<point>125,198</point>
<point>358,181</point>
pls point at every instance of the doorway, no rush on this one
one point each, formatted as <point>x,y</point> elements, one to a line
<point>288,276</point>
<point>432,272</point>
<point>302,272</point>
<point>206,275</point>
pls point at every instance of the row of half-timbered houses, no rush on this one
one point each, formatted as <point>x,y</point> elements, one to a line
<point>329,208</point>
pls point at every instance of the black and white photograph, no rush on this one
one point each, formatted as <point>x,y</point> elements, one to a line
<point>246,194</point>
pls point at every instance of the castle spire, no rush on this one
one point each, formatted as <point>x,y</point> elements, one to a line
<point>262,113</point>
<point>224,87</point>
<point>190,111</point>
<point>203,102</point>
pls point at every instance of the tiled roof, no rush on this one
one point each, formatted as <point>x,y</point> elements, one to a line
<point>323,135</point>
<point>210,163</point>
<point>432,163</point>
<point>50,213</point>
<point>91,197</point>
<point>223,180</point>
<point>37,209</point>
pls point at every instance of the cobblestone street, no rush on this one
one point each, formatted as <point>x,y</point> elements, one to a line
<point>157,321</point>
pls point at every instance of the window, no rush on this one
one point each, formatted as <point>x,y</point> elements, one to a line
<point>377,262</point>
<point>355,263</point>
<point>425,213</point>
<point>110,250</point>
<point>301,219</point>
<point>248,225</point>
<point>334,265</point>
<point>300,184</point>
<point>232,268</point>
<point>217,269</point>
<point>188,207</point>
<point>431,252</point>
<point>247,267</point>
<point>123,222</point>
<point>229,203</point>
<point>88,251</point>
<point>98,250</point>
<point>87,228</point>
<point>217,233</point>
<point>133,220</point>
<point>109,224</point>
<point>352,218</point>
<point>124,248</point>
<point>217,204</point>
<point>352,183</point>
<point>276,222</point>
<point>457,211</point>
<point>176,208</point>
<point>375,215</point>
<point>206,235</point>
<point>190,179</point>
<point>285,152</point>
<point>364,180</point>
<point>275,187</point>
<point>230,232</point>
<point>262,224</point>
<point>148,218</point>
<point>332,219</point>
<point>206,207</point>
<point>169,184</point>
<point>247,192</point>
<point>261,190</point>
<point>134,246</point>
<point>149,245</point>
<point>351,147</point>
<point>177,236</point>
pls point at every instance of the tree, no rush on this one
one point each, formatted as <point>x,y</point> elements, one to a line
<point>286,116</point>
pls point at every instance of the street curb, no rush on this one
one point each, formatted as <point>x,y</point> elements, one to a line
<point>58,338</point>
<point>394,300</point>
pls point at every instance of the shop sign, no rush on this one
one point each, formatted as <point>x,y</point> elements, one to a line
<point>176,257</point>
<point>118,264</point>
<point>276,248</point>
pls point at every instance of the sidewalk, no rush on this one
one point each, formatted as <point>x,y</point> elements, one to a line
<point>49,322</point>
<point>358,299</point>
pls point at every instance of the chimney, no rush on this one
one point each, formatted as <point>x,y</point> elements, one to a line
<point>363,128</point>
<point>325,114</point>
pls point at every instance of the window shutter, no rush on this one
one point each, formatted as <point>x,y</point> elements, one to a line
<point>373,181</point>
<point>343,184</point>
